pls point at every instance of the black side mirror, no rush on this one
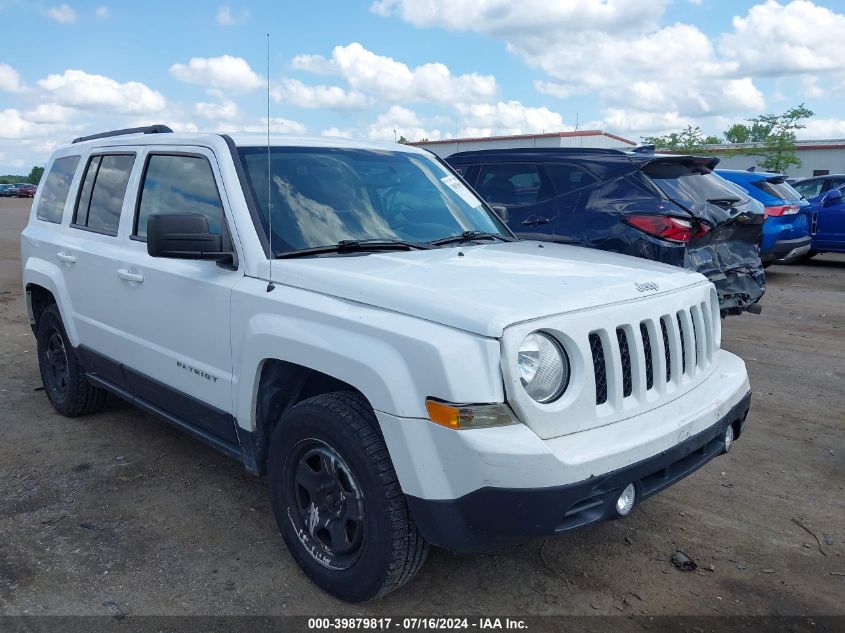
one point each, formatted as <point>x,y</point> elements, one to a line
<point>834,196</point>
<point>501,211</point>
<point>184,236</point>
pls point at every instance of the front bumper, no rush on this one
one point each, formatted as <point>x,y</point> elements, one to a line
<point>478,489</point>
<point>494,517</point>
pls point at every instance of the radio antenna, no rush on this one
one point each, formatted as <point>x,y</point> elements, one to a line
<point>270,286</point>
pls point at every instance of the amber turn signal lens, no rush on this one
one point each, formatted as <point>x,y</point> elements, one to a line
<point>474,416</point>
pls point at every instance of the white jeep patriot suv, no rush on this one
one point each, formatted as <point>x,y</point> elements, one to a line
<point>350,320</point>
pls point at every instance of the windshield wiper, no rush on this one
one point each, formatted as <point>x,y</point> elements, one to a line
<point>354,246</point>
<point>469,236</point>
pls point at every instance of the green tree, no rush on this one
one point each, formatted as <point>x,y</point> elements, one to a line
<point>402,140</point>
<point>35,175</point>
<point>778,148</point>
<point>742,133</point>
<point>689,140</point>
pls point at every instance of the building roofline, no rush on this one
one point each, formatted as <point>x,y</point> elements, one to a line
<point>514,137</point>
<point>832,143</point>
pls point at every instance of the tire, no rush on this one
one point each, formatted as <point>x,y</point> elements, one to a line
<point>63,377</point>
<point>337,499</point>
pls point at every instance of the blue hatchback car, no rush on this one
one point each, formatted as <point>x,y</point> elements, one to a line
<point>786,233</point>
<point>827,226</point>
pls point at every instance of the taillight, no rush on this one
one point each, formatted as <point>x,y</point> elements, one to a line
<point>778,211</point>
<point>667,227</point>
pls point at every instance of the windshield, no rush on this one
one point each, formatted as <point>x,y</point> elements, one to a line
<point>323,196</point>
<point>694,185</point>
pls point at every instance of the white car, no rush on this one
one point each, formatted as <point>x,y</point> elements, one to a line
<point>402,369</point>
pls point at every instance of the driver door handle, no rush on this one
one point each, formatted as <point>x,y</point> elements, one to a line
<point>531,220</point>
<point>128,275</point>
<point>67,258</point>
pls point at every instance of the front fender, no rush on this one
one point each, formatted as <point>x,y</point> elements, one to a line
<point>395,360</point>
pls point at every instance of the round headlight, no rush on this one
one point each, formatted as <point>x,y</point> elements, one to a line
<point>543,367</point>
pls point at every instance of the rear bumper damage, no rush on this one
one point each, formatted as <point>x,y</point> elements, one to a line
<point>729,256</point>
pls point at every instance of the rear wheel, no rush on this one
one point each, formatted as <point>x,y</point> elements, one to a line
<point>338,502</point>
<point>63,377</point>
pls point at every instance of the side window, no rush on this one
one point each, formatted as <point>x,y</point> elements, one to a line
<point>514,185</point>
<point>179,184</point>
<point>567,178</point>
<point>51,206</point>
<point>809,189</point>
<point>102,192</point>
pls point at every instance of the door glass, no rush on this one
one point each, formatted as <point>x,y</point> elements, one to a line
<point>179,184</point>
<point>55,190</point>
<point>103,191</point>
<point>514,184</point>
<point>809,189</point>
<point>567,178</point>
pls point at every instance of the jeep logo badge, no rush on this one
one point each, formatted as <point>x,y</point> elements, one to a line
<point>646,286</point>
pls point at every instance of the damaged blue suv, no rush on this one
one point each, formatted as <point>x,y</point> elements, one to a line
<point>668,208</point>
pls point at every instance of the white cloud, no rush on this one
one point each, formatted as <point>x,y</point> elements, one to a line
<point>79,89</point>
<point>642,73</point>
<point>389,80</point>
<point>278,125</point>
<point>305,96</point>
<point>226,72</point>
<point>102,12</point>
<point>509,117</point>
<point>63,13</point>
<point>397,122</point>
<point>48,113</point>
<point>20,127</point>
<point>221,111</point>
<point>776,39</point>
<point>225,17</point>
<point>10,79</point>
<point>527,18</point>
<point>823,128</point>
<point>337,132</point>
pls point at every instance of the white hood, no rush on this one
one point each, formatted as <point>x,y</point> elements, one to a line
<point>484,288</point>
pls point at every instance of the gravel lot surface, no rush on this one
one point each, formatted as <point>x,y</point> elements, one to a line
<point>120,513</point>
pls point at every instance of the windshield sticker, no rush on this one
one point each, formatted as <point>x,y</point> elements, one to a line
<point>459,188</point>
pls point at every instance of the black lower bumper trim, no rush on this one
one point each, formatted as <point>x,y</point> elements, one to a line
<point>782,248</point>
<point>490,518</point>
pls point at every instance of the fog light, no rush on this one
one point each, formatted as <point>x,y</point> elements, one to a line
<point>625,502</point>
<point>729,437</point>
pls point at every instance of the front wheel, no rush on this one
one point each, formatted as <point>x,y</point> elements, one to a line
<point>337,499</point>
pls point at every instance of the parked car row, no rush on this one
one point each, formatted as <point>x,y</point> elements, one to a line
<point>19,190</point>
<point>669,208</point>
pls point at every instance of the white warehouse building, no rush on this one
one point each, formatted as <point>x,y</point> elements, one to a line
<point>579,138</point>
<point>818,158</point>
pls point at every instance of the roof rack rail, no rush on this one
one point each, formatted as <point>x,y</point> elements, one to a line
<point>149,129</point>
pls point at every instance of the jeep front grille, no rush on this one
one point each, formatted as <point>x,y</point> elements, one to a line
<point>599,369</point>
<point>676,347</point>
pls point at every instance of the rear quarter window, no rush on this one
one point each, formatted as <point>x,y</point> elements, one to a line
<point>54,193</point>
<point>782,190</point>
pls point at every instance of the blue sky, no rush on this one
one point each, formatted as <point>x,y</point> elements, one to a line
<point>425,68</point>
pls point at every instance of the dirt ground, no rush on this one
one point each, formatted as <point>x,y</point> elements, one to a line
<point>120,513</point>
